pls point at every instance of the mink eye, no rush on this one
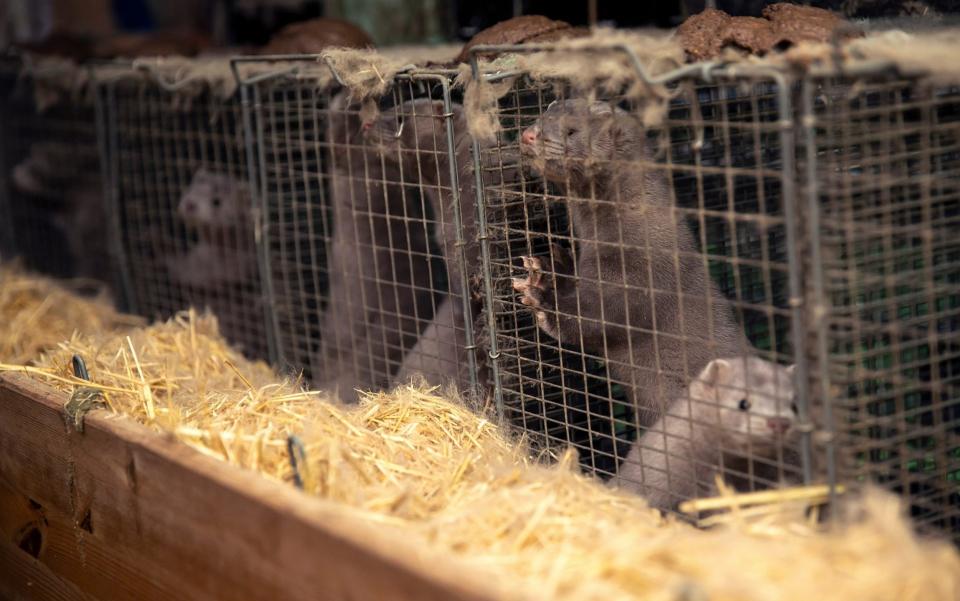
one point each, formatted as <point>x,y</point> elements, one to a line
<point>571,131</point>
<point>744,405</point>
<point>793,407</point>
<point>216,202</point>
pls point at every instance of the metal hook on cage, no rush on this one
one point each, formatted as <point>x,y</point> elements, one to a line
<point>297,454</point>
<point>333,70</point>
<point>84,398</point>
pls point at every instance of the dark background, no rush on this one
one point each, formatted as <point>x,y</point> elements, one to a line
<point>252,22</point>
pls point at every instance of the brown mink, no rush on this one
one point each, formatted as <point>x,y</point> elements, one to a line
<point>635,291</point>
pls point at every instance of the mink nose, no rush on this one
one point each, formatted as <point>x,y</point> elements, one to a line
<point>529,136</point>
<point>366,126</point>
<point>779,425</point>
<point>190,207</point>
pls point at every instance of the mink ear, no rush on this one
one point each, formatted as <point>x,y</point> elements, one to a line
<point>714,371</point>
<point>791,370</point>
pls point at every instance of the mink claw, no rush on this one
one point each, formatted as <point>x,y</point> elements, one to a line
<point>531,263</point>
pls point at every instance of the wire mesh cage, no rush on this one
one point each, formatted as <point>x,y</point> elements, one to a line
<point>181,201</point>
<point>883,186</point>
<point>52,205</point>
<point>364,232</point>
<point>640,281</point>
<point>760,285</point>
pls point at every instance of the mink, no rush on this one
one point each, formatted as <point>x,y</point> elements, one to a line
<point>67,187</point>
<point>380,292</point>
<point>634,291</point>
<point>413,138</point>
<point>216,206</point>
<point>736,418</point>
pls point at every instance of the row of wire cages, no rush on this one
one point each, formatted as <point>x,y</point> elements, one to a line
<point>760,285</point>
<point>367,231</point>
<point>52,213</point>
<point>758,282</point>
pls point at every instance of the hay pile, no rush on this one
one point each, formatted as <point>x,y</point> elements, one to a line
<point>38,313</point>
<point>429,470</point>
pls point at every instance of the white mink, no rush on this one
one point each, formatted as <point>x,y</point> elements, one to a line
<point>736,410</point>
<point>216,206</point>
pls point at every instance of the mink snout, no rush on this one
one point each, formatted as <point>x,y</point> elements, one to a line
<point>529,136</point>
<point>780,425</point>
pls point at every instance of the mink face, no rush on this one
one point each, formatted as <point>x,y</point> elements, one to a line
<point>214,200</point>
<point>576,141</point>
<point>748,401</point>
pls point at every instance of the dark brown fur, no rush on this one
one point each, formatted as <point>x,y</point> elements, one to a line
<point>54,175</point>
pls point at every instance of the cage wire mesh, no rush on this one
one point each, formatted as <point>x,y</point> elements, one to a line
<point>364,237</point>
<point>181,199</point>
<point>52,206</point>
<point>884,183</point>
<point>857,284</point>
<point>602,201</point>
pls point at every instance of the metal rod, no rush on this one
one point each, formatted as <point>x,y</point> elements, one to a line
<point>794,259</point>
<point>469,339</point>
<point>107,147</point>
<point>796,271</point>
<point>486,268</point>
<point>256,168</point>
<point>818,308</point>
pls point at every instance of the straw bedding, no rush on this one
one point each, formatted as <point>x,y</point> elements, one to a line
<point>430,470</point>
<point>37,314</point>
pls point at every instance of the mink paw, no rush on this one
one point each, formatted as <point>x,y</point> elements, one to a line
<point>533,288</point>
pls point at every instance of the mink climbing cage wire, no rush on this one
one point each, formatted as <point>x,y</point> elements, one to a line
<point>825,209</point>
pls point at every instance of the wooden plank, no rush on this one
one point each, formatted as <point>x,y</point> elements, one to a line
<point>134,514</point>
<point>24,532</point>
<point>24,577</point>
